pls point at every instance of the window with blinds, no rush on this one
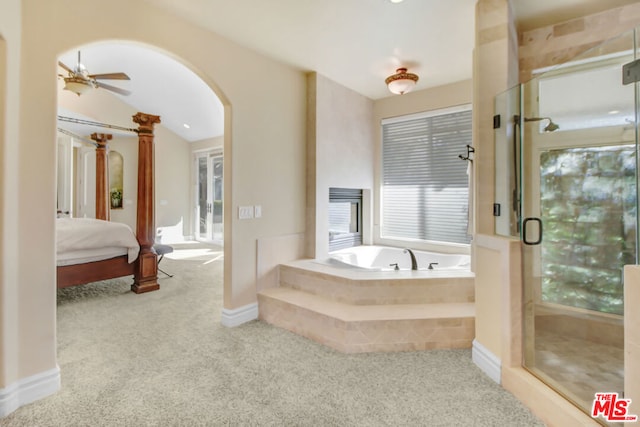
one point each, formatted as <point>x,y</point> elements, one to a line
<point>425,186</point>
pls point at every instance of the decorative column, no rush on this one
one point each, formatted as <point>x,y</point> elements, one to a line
<point>146,271</point>
<point>102,175</point>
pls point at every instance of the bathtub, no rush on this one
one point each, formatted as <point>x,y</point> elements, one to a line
<point>383,258</point>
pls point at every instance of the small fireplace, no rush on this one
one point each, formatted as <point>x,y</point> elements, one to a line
<point>345,218</point>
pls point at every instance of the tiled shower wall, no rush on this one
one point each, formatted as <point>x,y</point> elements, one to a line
<point>557,44</point>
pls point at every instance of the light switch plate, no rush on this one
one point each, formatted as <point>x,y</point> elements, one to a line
<point>245,212</point>
<point>257,211</point>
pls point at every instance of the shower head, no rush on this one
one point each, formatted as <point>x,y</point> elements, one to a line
<point>549,128</point>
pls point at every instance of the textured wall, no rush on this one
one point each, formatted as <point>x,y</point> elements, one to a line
<point>340,152</point>
<point>556,44</point>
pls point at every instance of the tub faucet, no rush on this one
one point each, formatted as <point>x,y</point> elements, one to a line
<point>414,263</point>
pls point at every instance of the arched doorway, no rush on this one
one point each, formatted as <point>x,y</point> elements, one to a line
<point>192,120</point>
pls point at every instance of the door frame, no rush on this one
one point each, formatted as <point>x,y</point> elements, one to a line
<point>209,235</point>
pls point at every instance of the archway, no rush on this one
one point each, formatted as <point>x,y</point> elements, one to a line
<point>192,118</point>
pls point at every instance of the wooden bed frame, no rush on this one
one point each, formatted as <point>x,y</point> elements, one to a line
<point>145,268</point>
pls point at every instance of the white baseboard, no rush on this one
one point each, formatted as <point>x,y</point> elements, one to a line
<point>28,390</point>
<point>487,361</point>
<point>240,315</point>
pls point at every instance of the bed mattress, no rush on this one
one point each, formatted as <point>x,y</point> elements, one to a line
<point>82,240</point>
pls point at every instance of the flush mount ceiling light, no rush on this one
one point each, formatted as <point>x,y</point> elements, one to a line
<point>401,82</point>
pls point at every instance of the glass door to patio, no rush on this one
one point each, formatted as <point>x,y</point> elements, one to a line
<point>209,213</point>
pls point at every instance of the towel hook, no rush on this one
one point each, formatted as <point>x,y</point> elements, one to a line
<point>470,150</point>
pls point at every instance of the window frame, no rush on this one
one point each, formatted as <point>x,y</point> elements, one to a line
<point>447,247</point>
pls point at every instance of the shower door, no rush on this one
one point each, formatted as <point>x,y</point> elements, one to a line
<point>578,220</point>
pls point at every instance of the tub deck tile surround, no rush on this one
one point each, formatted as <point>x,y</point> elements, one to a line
<point>386,287</point>
<point>358,312</point>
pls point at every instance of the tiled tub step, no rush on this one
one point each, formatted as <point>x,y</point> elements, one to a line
<point>352,328</point>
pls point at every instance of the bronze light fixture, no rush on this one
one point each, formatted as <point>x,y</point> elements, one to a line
<point>401,82</point>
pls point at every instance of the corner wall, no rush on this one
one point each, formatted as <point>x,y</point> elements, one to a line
<point>20,329</point>
<point>495,71</point>
<point>340,153</point>
<point>10,30</point>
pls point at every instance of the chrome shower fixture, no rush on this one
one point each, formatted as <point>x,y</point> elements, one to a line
<point>549,128</point>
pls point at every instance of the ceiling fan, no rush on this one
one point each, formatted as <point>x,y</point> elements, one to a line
<point>79,80</point>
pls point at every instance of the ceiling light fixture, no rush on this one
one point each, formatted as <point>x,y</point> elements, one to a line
<point>395,1</point>
<point>77,85</point>
<point>186,126</point>
<point>401,82</point>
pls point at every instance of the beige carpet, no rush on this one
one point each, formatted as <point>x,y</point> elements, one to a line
<point>164,359</point>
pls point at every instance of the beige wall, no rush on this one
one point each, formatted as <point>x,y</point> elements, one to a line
<point>458,93</point>
<point>340,152</point>
<point>264,130</point>
<point>454,94</point>
<point>11,328</point>
<point>495,70</point>
<point>173,178</point>
<point>216,142</point>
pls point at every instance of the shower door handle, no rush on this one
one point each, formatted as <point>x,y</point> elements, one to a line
<point>524,231</point>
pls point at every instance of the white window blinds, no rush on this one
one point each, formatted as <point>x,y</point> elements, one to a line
<point>425,184</point>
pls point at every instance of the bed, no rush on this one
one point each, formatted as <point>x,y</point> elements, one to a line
<point>89,250</point>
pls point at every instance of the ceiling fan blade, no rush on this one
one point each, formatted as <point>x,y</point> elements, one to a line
<point>110,76</point>
<point>113,88</point>
<point>65,67</point>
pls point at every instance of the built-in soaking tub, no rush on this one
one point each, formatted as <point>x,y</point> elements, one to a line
<point>354,301</point>
<point>363,274</point>
<point>385,258</point>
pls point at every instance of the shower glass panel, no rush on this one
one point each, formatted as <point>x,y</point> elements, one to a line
<point>507,160</point>
<point>573,193</point>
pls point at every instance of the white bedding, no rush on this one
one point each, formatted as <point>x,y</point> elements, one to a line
<point>80,240</point>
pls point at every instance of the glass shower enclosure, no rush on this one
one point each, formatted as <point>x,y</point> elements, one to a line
<point>566,185</point>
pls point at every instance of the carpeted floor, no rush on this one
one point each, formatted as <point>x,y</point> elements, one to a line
<point>164,359</point>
